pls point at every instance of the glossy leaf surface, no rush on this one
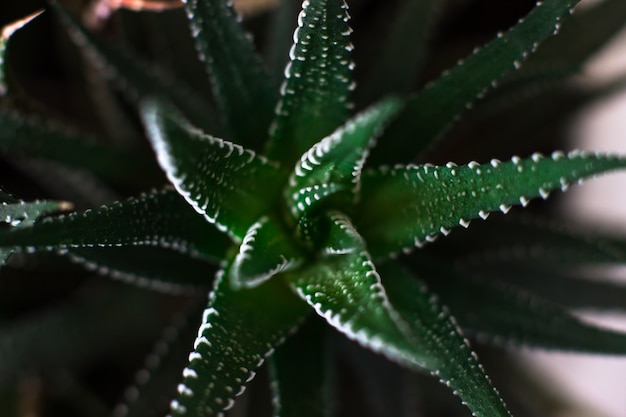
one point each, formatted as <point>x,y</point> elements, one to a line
<point>316,91</point>
<point>219,179</point>
<point>334,164</point>
<point>239,329</point>
<point>266,250</point>
<point>161,218</point>
<point>403,207</point>
<point>407,326</point>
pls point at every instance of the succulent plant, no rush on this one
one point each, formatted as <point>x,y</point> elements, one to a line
<point>312,200</point>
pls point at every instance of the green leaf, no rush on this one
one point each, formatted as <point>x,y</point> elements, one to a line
<point>316,91</point>
<point>137,79</point>
<point>155,268</point>
<point>301,372</point>
<point>570,288</point>
<point>160,218</point>
<point>18,213</point>
<point>266,250</point>
<point>449,353</point>
<point>334,164</point>
<point>503,314</point>
<point>434,110</point>
<point>240,84</point>
<point>28,135</point>
<point>239,329</point>
<point>397,66</point>
<point>408,327</point>
<point>219,179</point>
<point>402,207</point>
<point>5,34</point>
<point>569,51</point>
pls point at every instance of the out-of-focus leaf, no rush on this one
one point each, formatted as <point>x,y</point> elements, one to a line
<point>155,268</point>
<point>240,84</point>
<point>503,314</point>
<point>432,111</point>
<point>301,372</point>
<point>27,135</point>
<point>137,79</point>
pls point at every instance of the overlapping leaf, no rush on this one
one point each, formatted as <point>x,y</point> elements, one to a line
<point>403,207</point>
<point>239,329</point>
<point>503,314</point>
<point>220,179</point>
<point>240,84</point>
<point>535,241</point>
<point>160,218</point>
<point>434,109</point>
<point>397,66</point>
<point>137,79</point>
<point>99,324</point>
<point>334,164</point>
<point>22,134</point>
<point>408,326</point>
<point>266,250</point>
<point>569,51</point>
<point>315,93</point>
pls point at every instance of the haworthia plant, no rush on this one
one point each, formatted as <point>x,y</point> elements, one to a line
<point>290,196</point>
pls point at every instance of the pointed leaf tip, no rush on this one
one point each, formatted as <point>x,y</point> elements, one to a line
<point>408,206</point>
<point>219,179</point>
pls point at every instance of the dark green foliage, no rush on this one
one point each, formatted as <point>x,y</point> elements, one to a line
<point>276,209</point>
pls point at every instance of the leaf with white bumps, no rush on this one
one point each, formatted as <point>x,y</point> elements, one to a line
<point>239,330</point>
<point>19,214</point>
<point>569,51</point>
<point>265,251</point>
<point>347,291</point>
<point>219,179</point>
<point>402,207</point>
<point>316,91</point>
<point>429,113</point>
<point>503,314</point>
<point>450,357</point>
<point>334,164</point>
<point>240,84</point>
<point>161,218</point>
